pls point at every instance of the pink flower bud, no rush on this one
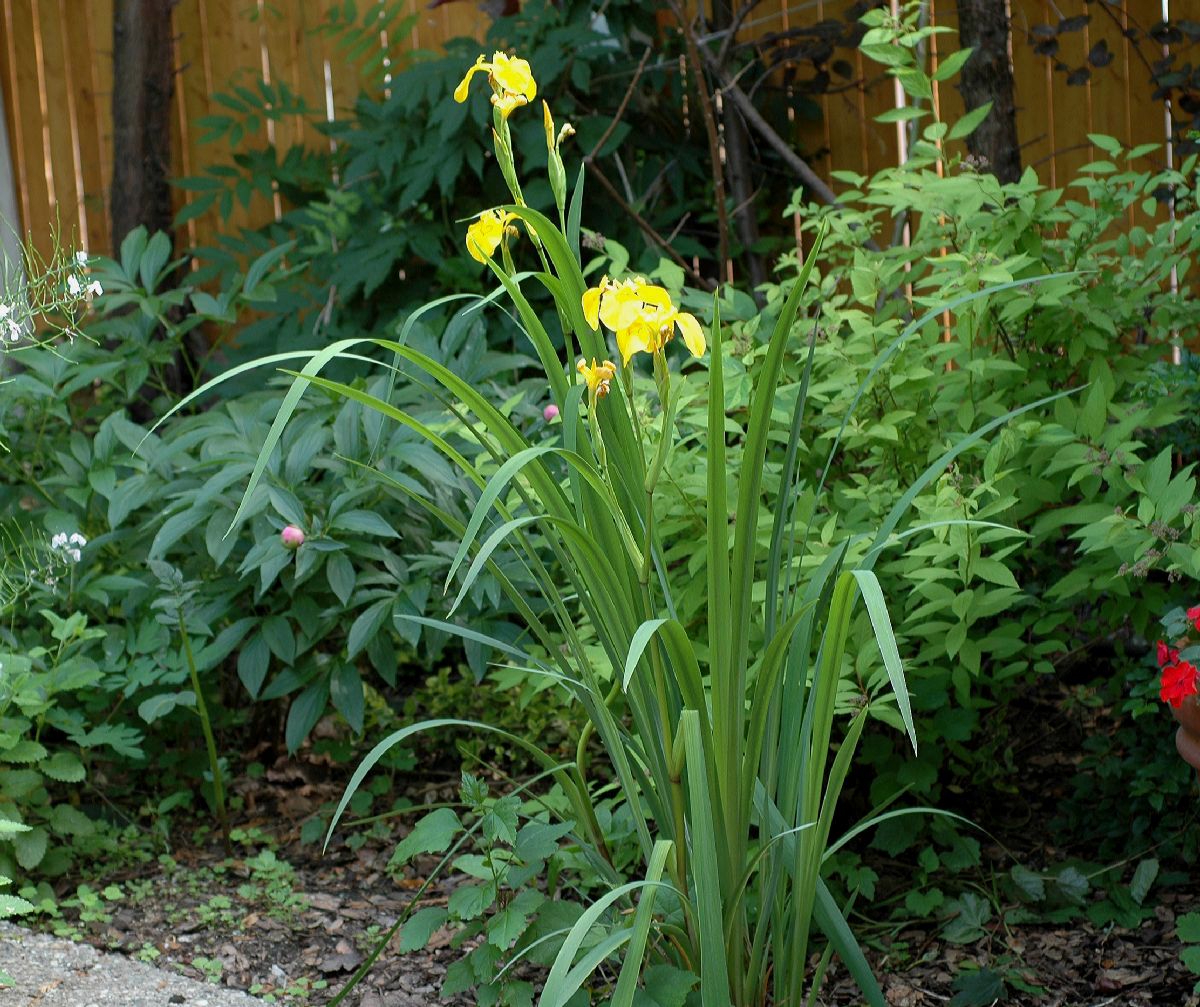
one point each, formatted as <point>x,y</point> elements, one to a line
<point>550,412</point>
<point>292,537</point>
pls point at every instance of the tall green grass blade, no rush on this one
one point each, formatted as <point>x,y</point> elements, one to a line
<point>574,215</point>
<point>640,931</point>
<point>881,623</point>
<point>717,517</point>
<point>705,876</point>
<point>776,603</point>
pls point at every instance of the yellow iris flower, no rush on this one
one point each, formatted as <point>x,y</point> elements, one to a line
<point>484,236</point>
<point>597,376</point>
<point>641,316</point>
<point>511,79</point>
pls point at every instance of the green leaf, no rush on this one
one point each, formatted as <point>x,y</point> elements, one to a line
<point>994,572</point>
<point>367,625</point>
<point>1143,877</point>
<point>1031,885</point>
<point>339,571</point>
<point>278,635</point>
<point>157,707</point>
<point>420,927</point>
<point>346,691</point>
<point>537,841</point>
<point>881,623</point>
<point>11,905</point>
<point>978,989</point>
<point>968,925</point>
<point>68,821</point>
<point>904,113</point>
<point>1072,884</point>
<point>433,833</point>
<point>364,522</point>
<point>253,662</point>
<point>665,986</point>
<point>24,751</point>
<point>967,125</point>
<point>950,65</point>
<point>305,711</point>
<point>1187,928</point>
<point>30,847</point>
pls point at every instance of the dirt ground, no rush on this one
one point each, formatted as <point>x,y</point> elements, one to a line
<point>300,934</point>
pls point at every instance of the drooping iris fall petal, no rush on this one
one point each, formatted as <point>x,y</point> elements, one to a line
<point>486,233</point>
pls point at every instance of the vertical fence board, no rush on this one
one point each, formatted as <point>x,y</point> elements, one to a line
<point>80,56</point>
<point>62,145</point>
<point>28,126</point>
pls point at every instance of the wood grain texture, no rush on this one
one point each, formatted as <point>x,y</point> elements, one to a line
<point>57,84</point>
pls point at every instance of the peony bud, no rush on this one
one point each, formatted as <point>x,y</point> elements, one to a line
<point>292,537</point>
<point>550,412</point>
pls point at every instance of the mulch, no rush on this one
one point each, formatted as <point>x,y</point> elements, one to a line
<point>347,898</point>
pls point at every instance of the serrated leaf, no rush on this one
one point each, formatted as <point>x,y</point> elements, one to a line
<point>30,847</point>
<point>978,989</point>
<point>63,767</point>
<point>11,905</point>
<point>1031,885</point>
<point>420,927</point>
<point>157,707</point>
<point>68,821</point>
<point>665,986</point>
<point>1187,928</point>
<point>432,834</point>
<point>24,752</point>
<point>1072,884</point>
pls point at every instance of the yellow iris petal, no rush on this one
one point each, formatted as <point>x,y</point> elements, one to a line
<point>514,75</point>
<point>640,337</point>
<point>693,337</point>
<point>460,92</point>
<point>506,102</point>
<point>591,304</point>
<point>485,234</point>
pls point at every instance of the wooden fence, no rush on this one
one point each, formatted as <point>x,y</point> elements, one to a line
<point>56,75</point>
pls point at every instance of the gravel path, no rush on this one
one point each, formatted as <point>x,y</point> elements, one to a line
<point>55,973</point>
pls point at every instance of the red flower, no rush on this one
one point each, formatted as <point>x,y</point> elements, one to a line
<point>1178,682</point>
<point>1166,655</point>
<point>1194,615</point>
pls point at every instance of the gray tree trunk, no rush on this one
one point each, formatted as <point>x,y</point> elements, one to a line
<point>143,83</point>
<point>987,76</point>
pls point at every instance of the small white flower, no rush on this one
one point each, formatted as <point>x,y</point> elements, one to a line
<point>77,539</point>
<point>5,311</point>
<point>81,259</point>
<point>94,289</point>
<point>74,287</point>
<point>75,555</point>
<point>59,541</point>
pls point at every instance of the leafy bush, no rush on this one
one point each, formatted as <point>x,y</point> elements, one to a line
<point>367,224</point>
<point>1103,512</point>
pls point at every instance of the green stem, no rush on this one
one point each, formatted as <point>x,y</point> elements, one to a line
<point>209,741</point>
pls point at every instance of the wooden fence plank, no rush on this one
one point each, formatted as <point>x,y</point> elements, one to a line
<point>58,91</point>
